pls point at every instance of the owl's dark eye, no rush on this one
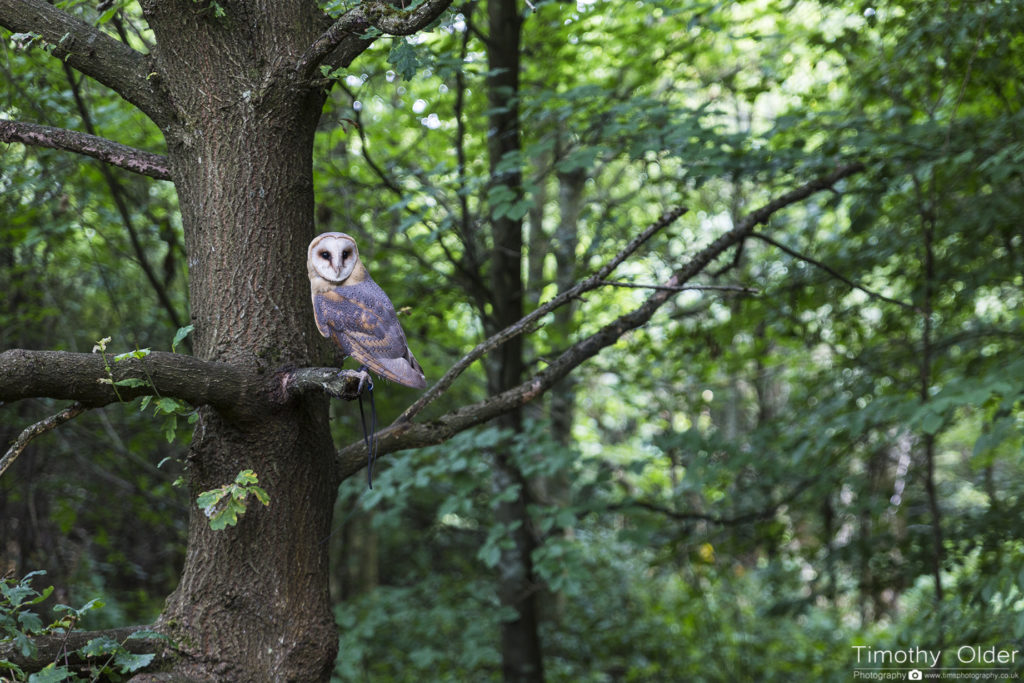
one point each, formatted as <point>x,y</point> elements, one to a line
<point>326,255</point>
<point>345,254</point>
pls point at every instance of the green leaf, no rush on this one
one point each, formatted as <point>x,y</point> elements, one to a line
<point>10,666</point>
<point>25,645</point>
<point>30,621</point>
<point>489,554</point>
<point>405,58</point>
<point>96,647</point>
<point>127,662</point>
<point>246,477</point>
<point>170,428</point>
<point>180,335</point>
<point>146,634</point>
<point>132,382</point>
<point>260,494</point>
<point>137,353</point>
<point>207,499</point>
<point>51,674</point>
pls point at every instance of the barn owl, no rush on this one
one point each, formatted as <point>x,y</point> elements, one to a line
<point>352,310</point>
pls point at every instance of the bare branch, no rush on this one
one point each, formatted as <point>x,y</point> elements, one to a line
<point>114,153</point>
<point>344,41</point>
<point>682,288</point>
<point>526,323</point>
<point>818,264</point>
<point>88,50</point>
<point>41,427</point>
<point>403,433</point>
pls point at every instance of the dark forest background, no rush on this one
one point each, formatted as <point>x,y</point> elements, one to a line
<point>817,446</point>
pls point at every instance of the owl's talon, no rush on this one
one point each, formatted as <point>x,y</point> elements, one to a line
<point>365,380</point>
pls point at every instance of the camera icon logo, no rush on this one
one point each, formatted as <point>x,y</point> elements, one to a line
<point>914,675</point>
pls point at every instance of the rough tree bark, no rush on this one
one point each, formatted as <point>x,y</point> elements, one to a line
<point>235,89</point>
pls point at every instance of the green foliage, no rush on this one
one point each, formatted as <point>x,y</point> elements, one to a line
<point>744,489</point>
<point>405,58</point>
<point>20,625</point>
<point>168,407</point>
<point>223,506</point>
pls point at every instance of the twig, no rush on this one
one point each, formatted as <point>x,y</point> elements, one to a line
<point>818,264</point>
<point>41,427</point>
<point>682,288</point>
<point>525,323</point>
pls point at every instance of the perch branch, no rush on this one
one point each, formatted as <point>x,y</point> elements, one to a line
<point>83,377</point>
<point>342,384</point>
<point>114,153</point>
<point>41,427</point>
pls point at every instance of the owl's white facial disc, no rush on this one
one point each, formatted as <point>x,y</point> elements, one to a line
<point>333,255</point>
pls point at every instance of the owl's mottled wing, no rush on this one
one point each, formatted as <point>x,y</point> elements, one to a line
<point>362,321</point>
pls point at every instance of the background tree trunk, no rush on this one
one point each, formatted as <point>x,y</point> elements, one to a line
<point>520,642</point>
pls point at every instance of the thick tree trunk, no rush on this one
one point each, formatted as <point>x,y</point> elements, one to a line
<point>252,604</point>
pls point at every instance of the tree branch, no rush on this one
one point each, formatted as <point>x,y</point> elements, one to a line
<point>682,288</point>
<point>403,433</point>
<point>525,323</point>
<point>231,388</point>
<point>845,280</point>
<point>41,427</point>
<point>343,384</point>
<point>137,161</point>
<point>90,51</point>
<point>56,646</point>
<point>344,41</point>
<point>114,153</point>
<point>83,377</point>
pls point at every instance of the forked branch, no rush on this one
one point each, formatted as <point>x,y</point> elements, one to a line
<point>526,323</point>
<point>89,50</point>
<point>351,33</point>
<point>41,427</point>
<point>403,433</point>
